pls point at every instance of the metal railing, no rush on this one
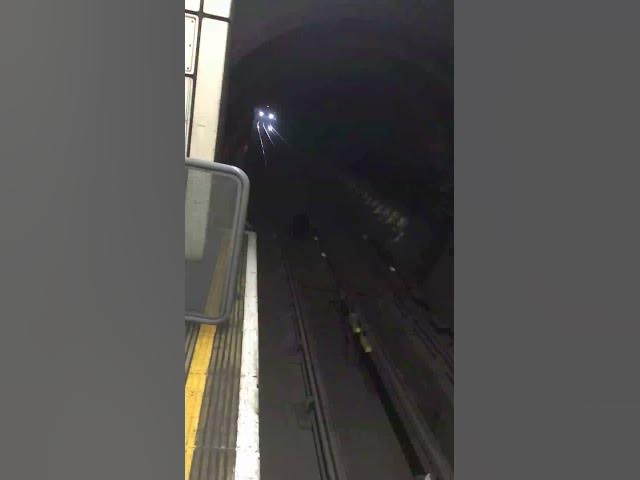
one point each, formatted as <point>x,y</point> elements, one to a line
<point>216,199</point>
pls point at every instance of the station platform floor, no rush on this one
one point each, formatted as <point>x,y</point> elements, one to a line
<point>221,387</point>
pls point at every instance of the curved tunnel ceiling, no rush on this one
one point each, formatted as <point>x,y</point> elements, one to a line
<point>257,22</point>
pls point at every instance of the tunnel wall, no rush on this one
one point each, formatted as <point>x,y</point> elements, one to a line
<point>416,244</point>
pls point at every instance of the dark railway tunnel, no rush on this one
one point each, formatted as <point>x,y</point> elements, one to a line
<point>363,159</point>
<point>348,103</point>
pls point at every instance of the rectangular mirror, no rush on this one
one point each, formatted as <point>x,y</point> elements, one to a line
<point>216,198</point>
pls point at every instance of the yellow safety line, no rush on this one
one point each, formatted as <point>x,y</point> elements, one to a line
<point>194,392</point>
<point>198,371</point>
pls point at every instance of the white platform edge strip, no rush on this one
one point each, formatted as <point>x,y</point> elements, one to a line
<point>248,438</point>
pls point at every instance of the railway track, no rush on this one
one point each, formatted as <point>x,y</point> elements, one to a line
<point>418,441</point>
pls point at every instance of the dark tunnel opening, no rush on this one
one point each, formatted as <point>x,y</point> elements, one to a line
<point>369,112</point>
<point>359,167</point>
